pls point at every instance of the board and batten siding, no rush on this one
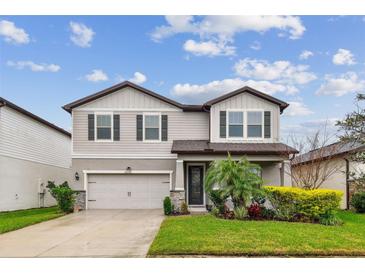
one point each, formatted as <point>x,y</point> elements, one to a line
<point>127,98</point>
<point>245,101</point>
<point>24,138</point>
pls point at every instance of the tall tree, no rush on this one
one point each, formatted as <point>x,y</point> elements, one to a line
<point>353,130</point>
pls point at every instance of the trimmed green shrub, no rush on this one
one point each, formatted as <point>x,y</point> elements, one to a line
<point>358,202</point>
<point>64,196</point>
<point>290,203</point>
<point>167,206</point>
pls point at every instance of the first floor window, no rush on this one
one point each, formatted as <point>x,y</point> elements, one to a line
<point>103,126</point>
<point>152,127</point>
<point>235,124</point>
<point>254,124</point>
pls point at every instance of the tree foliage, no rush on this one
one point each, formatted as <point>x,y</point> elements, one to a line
<point>237,179</point>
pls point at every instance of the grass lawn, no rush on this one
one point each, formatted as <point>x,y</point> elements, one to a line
<point>13,220</point>
<point>207,235</point>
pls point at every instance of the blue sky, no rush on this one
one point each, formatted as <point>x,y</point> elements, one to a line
<point>316,63</point>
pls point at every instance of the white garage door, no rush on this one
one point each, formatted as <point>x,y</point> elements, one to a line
<point>127,191</point>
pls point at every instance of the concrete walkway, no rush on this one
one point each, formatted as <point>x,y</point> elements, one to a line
<point>92,233</point>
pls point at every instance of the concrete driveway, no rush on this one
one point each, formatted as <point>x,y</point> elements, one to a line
<point>91,233</point>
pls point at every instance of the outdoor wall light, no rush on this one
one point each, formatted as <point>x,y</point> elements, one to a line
<point>77,177</point>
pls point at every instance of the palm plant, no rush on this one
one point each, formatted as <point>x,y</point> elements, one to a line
<point>236,179</point>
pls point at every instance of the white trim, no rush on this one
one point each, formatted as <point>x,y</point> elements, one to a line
<point>121,172</point>
<point>227,124</point>
<point>123,156</point>
<point>159,127</point>
<point>262,125</point>
<point>111,129</point>
<point>130,109</point>
<point>179,189</point>
<point>187,182</point>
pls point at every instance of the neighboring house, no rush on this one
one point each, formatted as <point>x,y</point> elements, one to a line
<point>336,161</point>
<point>132,147</point>
<point>32,151</point>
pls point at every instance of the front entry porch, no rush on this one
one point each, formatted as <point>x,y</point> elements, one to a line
<point>191,170</point>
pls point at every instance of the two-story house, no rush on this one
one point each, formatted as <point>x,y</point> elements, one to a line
<point>132,147</point>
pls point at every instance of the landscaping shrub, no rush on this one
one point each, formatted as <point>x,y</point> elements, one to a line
<point>64,196</point>
<point>254,211</point>
<point>184,209</point>
<point>240,213</point>
<point>330,218</point>
<point>167,206</point>
<point>218,198</point>
<point>292,204</point>
<point>267,213</point>
<point>358,202</point>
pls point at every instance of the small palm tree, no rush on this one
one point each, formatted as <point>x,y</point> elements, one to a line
<point>237,179</point>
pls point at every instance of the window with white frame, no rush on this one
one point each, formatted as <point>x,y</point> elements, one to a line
<point>103,127</point>
<point>152,127</point>
<point>254,124</point>
<point>235,124</point>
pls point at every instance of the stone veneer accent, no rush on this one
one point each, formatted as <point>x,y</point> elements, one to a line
<point>80,199</point>
<point>177,198</point>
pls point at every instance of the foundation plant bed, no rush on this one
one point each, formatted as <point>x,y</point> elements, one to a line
<point>13,220</point>
<point>208,235</point>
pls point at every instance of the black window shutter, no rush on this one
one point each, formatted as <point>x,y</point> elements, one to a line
<point>222,124</point>
<point>164,122</point>
<point>91,126</point>
<point>139,129</point>
<point>116,127</point>
<point>267,124</point>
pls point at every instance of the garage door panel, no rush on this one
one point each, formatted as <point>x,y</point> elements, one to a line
<point>127,191</point>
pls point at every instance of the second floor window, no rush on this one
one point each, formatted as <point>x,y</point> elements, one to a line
<point>104,127</point>
<point>254,124</point>
<point>235,124</point>
<point>152,127</point>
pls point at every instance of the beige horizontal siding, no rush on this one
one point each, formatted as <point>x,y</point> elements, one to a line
<point>181,126</point>
<point>25,138</point>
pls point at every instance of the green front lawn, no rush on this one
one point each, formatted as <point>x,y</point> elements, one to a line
<point>207,235</point>
<point>13,220</point>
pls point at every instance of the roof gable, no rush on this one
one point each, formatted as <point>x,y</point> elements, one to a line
<point>4,102</point>
<point>251,91</point>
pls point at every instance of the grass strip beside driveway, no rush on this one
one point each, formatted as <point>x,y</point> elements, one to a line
<point>13,220</point>
<point>207,235</point>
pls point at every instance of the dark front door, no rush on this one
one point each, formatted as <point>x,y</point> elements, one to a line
<point>195,184</point>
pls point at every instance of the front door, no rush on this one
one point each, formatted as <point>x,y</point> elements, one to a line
<point>195,184</point>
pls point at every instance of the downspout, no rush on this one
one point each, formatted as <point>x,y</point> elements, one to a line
<point>347,183</point>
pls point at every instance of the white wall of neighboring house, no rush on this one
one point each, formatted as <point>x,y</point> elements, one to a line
<point>31,153</point>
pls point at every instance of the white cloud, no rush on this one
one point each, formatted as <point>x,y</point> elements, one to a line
<point>297,109</point>
<point>228,26</point>
<point>341,85</point>
<point>256,45</point>
<point>282,71</point>
<point>212,89</point>
<point>343,57</point>
<point>305,54</point>
<point>209,48</point>
<point>81,34</point>
<point>13,34</point>
<point>97,75</point>
<point>138,78</point>
<point>33,66</point>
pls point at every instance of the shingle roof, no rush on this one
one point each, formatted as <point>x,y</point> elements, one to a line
<point>4,102</point>
<point>206,147</point>
<point>335,149</point>
<point>204,107</point>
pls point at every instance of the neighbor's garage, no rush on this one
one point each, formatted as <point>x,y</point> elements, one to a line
<point>127,191</point>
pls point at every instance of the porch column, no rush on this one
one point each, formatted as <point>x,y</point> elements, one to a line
<point>286,173</point>
<point>179,181</point>
<point>177,193</point>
